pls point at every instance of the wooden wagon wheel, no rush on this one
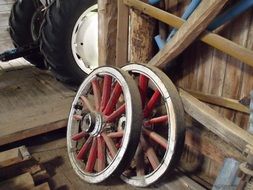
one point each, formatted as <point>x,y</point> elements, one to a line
<point>104,122</point>
<point>162,138</point>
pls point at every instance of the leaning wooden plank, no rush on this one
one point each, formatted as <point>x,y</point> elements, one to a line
<point>22,182</point>
<point>225,129</point>
<point>190,30</point>
<point>243,54</point>
<point>122,34</point>
<point>36,130</point>
<point>43,186</point>
<point>14,156</point>
<point>220,101</point>
<point>208,144</point>
<point>107,28</point>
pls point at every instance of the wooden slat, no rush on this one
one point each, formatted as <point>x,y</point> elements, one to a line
<point>43,186</point>
<point>14,156</point>
<point>220,101</point>
<point>107,26</point>
<point>22,182</point>
<point>122,34</point>
<point>10,157</point>
<point>225,129</point>
<point>36,104</point>
<point>4,18</point>
<point>214,40</point>
<point>4,2</point>
<point>188,32</point>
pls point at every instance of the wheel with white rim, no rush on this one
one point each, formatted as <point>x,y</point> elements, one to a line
<point>104,123</point>
<point>69,39</point>
<point>162,138</point>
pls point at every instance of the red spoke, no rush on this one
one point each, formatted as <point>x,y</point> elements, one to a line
<point>84,149</point>
<point>150,153</point>
<point>97,94</point>
<point>156,120</point>
<point>78,136</point>
<point>101,154</point>
<point>106,91</point>
<point>77,117</point>
<point>118,134</point>
<point>92,156</point>
<point>110,144</point>
<point>87,103</point>
<point>143,87</point>
<point>156,137</point>
<point>116,114</point>
<point>152,102</point>
<point>113,99</point>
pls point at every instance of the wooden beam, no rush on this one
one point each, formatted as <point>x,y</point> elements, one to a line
<point>141,37</point>
<point>208,144</point>
<point>213,121</point>
<point>24,181</point>
<point>220,101</point>
<point>36,130</point>
<point>107,30</point>
<point>241,53</point>
<point>188,32</point>
<point>122,34</point>
<point>14,156</point>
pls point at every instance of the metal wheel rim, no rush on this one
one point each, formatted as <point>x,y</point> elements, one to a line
<point>152,177</point>
<point>112,167</point>
<point>84,41</point>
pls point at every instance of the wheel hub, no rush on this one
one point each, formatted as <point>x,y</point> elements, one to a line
<point>92,123</point>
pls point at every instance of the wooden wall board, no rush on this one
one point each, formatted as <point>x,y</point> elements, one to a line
<point>32,102</point>
<point>22,182</point>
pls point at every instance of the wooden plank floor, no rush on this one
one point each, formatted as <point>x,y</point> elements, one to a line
<point>31,102</point>
<point>53,155</point>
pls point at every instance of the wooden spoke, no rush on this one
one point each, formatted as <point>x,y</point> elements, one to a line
<point>106,91</point>
<point>110,144</point>
<point>78,136</point>
<point>150,153</point>
<point>113,99</point>
<point>156,120</point>
<point>87,104</point>
<point>84,149</point>
<point>101,154</point>
<point>97,94</point>
<point>77,117</point>
<point>118,134</point>
<point>139,157</point>
<point>143,87</point>
<point>152,102</point>
<point>156,137</point>
<point>92,156</point>
<point>117,113</point>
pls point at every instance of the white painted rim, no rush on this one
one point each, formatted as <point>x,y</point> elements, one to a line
<point>84,41</point>
<point>113,166</point>
<point>144,181</point>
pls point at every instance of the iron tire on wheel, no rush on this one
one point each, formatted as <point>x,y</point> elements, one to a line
<point>104,125</point>
<point>21,24</point>
<point>163,129</point>
<point>67,28</point>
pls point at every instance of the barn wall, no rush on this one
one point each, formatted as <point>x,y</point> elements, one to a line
<point>203,68</point>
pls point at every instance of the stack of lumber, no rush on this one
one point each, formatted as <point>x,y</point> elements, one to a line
<point>19,171</point>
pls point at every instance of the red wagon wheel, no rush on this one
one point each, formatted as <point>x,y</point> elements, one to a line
<point>104,123</point>
<point>162,138</point>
